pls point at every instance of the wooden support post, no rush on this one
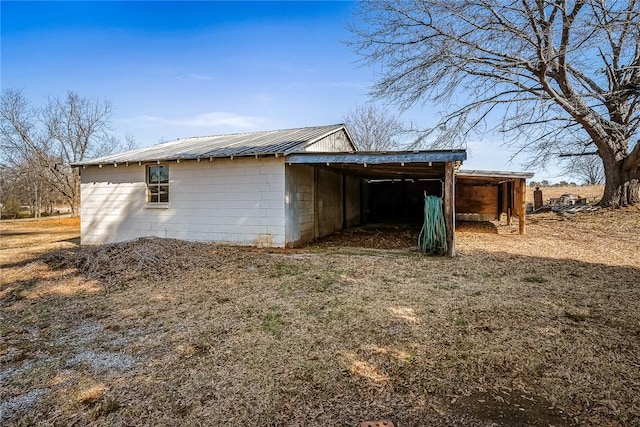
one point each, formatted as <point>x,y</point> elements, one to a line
<point>316,209</point>
<point>505,199</point>
<point>344,201</point>
<point>450,208</point>
<point>521,200</point>
<point>509,195</point>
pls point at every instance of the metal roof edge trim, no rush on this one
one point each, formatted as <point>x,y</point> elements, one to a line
<point>497,174</point>
<point>174,159</point>
<point>346,130</point>
<point>378,157</point>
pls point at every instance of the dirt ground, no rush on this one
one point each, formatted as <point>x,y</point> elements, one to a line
<point>540,330</point>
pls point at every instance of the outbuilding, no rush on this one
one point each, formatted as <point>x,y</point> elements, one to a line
<point>280,188</point>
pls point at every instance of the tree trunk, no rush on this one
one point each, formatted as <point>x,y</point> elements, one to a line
<point>75,198</point>
<point>75,207</point>
<point>622,187</point>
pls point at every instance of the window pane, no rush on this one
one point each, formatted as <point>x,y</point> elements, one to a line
<point>152,176</point>
<point>158,174</point>
<point>164,194</point>
<point>163,174</point>
<point>158,184</point>
<point>153,193</point>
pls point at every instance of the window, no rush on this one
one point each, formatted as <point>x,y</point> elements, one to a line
<point>158,184</point>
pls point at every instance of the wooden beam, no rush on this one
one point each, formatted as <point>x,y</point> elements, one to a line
<point>521,198</point>
<point>508,193</point>
<point>344,201</point>
<point>504,201</point>
<point>316,209</point>
<point>450,208</point>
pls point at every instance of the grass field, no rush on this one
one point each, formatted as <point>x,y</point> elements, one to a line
<point>541,329</point>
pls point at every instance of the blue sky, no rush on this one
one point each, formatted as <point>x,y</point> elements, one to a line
<point>180,69</point>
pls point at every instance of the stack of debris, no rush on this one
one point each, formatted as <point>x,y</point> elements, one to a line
<point>569,203</point>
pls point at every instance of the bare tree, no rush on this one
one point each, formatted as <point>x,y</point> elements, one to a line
<point>560,75</point>
<point>587,169</point>
<point>23,185</point>
<point>373,128</point>
<point>49,139</point>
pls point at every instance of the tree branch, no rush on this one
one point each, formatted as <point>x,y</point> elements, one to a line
<point>632,162</point>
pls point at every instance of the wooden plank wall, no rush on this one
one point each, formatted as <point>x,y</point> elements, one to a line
<point>484,200</point>
<point>477,199</point>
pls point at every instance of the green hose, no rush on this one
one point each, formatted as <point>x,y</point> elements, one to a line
<point>433,235</point>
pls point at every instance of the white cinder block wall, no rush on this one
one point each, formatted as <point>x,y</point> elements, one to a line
<point>314,203</point>
<point>240,201</point>
<point>299,204</point>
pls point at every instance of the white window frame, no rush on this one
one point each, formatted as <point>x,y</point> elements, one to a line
<point>159,186</point>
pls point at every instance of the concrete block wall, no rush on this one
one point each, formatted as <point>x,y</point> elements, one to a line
<point>299,204</point>
<point>315,205</point>
<point>238,201</point>
<point>112,200</point>
<point>353,200</point>
<point>328,202</point>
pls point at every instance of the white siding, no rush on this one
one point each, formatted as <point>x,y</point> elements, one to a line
<point>237,201</point>
<point>337,141</point>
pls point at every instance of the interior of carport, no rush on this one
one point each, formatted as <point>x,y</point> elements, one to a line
<point>392,185</point>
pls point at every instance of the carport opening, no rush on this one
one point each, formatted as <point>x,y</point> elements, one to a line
<point>389,190</point>
<point>391,214</point>
<point>398,202</point>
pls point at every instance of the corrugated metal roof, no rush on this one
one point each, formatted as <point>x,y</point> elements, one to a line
<point>463,173</point>
<point>272,142</point>
<point>482,177</point>
<point>379,157</point>
<point>419,164</point>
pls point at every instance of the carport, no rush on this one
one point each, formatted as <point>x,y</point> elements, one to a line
<point>430,171</point>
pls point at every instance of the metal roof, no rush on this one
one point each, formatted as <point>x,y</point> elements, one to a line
<point>420,164</point>
<point>273,142</point>
<point>484,176</point>
<point>292,143</point>
<point>502,174</point>
<point>380,157</point>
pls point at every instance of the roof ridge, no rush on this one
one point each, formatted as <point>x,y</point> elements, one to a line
<point>259,131</point>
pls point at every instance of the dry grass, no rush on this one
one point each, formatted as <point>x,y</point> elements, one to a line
<point>589,191</point>
<point>542,329</point>
<point>22,239</point>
